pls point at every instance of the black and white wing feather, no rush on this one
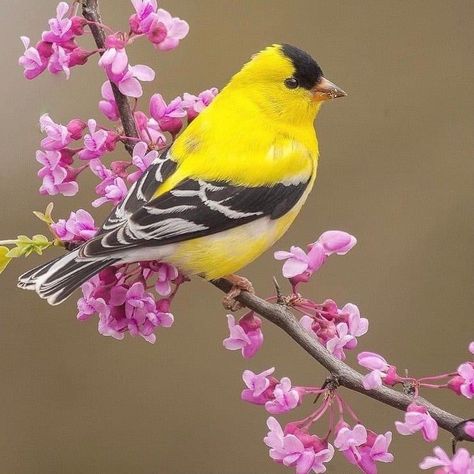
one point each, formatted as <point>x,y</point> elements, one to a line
<point>194,208</point>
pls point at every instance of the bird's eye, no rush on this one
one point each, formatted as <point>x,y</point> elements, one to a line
<point>291,83</point>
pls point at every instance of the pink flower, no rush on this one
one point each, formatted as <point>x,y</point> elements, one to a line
<point>165,275</point>
<point>466,372</point>
<point>285,398</point>
<point>56,178</point>
<point>59,61</point>
<point>60,27</point>
<point>417,418</point>
<point>107,105</point>
<point>129,84</point>
<point>348,439</point>
<point>461,463</point>
<point>471,347</point>
<point>58,135</point>
<point>168,117</point>
<point>166,31</point>
<point>290,450</point>
<point>259,386</point>
<point>114,192</point>
<point>95,142</point>
<point>245,336</point>
<point>340,341</point>
<point>78,228</point>
<point>148,130</point>
<point>141,21</point>
<point>379,367</point>
<point>298,262</point>
<point>194,105</point>
<point>142,159</point>
<point>115,63</point>
<point>31,61</point>
<point>88,304</point>
<point>375,449</point>
<point>336,241</point>
<point>469,428</point>
<point>357,326</point>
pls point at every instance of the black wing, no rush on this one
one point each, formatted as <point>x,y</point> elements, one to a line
<point>195,208</point>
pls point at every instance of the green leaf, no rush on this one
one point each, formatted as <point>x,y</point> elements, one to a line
<point>26,246</point>
<point>46,216</point>
<point>4,259</point>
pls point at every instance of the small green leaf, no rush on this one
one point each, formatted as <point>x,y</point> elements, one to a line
<point>26,246</point>
<point>4,259</point>
<point>46,216</point>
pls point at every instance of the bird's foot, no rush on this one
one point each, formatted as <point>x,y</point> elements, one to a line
<point>239,284</point>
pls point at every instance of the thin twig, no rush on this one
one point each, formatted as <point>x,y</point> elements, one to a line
<point>277,313</point>
<point>90,11</point>
<point>346,376</point>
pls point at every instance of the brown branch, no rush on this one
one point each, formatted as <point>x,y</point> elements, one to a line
<point>277,313</point>
<point>344,375</point>
<point>90,11</point>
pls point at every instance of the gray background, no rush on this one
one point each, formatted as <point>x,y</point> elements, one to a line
<point>396,170</point>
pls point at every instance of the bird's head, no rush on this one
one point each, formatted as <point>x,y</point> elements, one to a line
<point>286,82</point>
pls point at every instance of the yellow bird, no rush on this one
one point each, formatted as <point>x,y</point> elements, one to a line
<point>225,191</point>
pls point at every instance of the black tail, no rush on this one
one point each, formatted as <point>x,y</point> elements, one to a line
<point>57,279</point>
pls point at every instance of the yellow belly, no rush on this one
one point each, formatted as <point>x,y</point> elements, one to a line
<point>227,252</point>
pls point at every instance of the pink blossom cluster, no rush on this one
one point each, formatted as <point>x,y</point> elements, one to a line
<point>300,266</point>
<point>78,228</point>
<point>159,26</point>
<point>57,50</point>
<point>337,329</point>
<point>122,299</point>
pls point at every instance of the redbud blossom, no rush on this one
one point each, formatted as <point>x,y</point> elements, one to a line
<point>79,227</point>
<point>59,61</point>
<point>466,375</point>
<point>461,463</point>
<point>349,439</point>
<point>58,136</point>
<point>32,62</point>
<point>246,335</point>
<point>374,449</point>
<point>168,117</point>
<point>259,386</point>
<point>107,105</point>
<point>417,418</point>
<point>381,370</point>
<point>165,31</point>
<point>194,105</point>
<point>115,63</point>
<point>291,451</point>
<point>56,178</point>
<point>165,275</point>
<point>114,193</point>
<point>469,428</point>
<point>284,398</point>
<point>60,27</point>
<point>302,265</point>
<point>95,144</point>
<point>142,159</point>
<point>141,21</point>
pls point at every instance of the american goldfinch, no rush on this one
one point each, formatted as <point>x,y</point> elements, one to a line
<point>225,191</point>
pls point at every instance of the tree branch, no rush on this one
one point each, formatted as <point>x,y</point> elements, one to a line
<point>90,11</point>
<point>277,313</point>
<point>345,376</point>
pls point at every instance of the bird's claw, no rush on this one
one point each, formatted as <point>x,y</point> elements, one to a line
<point>239,284</point>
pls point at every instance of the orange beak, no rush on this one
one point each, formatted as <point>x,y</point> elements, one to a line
<point>325,90</point>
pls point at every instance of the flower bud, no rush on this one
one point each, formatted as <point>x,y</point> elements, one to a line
<point>75,128</point>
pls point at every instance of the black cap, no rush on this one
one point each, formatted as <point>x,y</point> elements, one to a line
<point>307,70</point>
